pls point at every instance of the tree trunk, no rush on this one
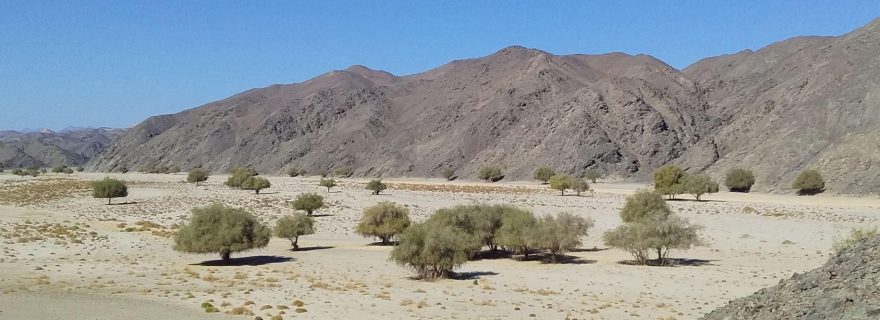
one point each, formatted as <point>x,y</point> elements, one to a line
<point>384,240</point>
<point>109,199</point>
<point>328,189</point>
<point>257,191</point>
<point>562,192</point>
<point>225,255</point>
<point>294,242</point>
<point>552,257</point>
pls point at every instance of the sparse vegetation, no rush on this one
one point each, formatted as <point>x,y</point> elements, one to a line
<point>739,180</point>
<point>238,176</point>
<point>197,175</point>
<point>579,186</point>
<point>308,202</point>
<point>221,229</point>
<point>809,182</point>
<point>491,174</point>
<point>109,188</point>
<point>667,180</point>
<point>343,172</point>
<point>433,250</point>
<point>543,174</point>
<point>560,182</point>
<point>449,174</point>
<point>592,175</point>
<point>376,186</point>
<point>327,183</point>
<point>855,235</point>
<point>294,171</point>
<point>294,226</point>
<point>384,221</point>
<point>255,183</point>
<point>698,185</point>
<point>559,234</point>
<point>515,233</point>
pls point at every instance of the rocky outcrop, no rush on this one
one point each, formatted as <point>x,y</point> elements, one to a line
<point>846,287</point>
<point>45,148</point>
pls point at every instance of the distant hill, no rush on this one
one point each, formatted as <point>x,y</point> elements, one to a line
<point>44,148</point>
<point>808,102</point>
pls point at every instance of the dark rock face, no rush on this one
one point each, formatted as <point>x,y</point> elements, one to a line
<point>846,287</point>
<point>45,148</point>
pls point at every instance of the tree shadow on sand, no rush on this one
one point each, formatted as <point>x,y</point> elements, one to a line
<point>472,275</point>
<point>245,261</point>
<point>684,262</point>
<point>301,249</point>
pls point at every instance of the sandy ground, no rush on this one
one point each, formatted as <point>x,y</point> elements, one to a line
<point>65,255</point>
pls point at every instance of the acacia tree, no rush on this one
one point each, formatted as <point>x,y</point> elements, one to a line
<point>238,176</point>
<point>491,174</point>
<point>698,185</point>
<point>543,174</point>
<point>560,182</point>
<point>383,221</point>
<point>255,183</point>
<point>559,234</point>
<point>517,226</point>
<point>592,175</point>
<point>667,180</point>
<point>327,183</point>
<point>449,174</point>
<point>221,229</point>
<point>294,226</point>
<point>376,186</point>
<point>197,175</point>
<point>479,220</point>
<point>809,182</point>
<point>739,180</point>
<point>308,202</point>
<point>294,171</point>
<point>579,185</point>
<point>433,250</point>
<point>109,188</point>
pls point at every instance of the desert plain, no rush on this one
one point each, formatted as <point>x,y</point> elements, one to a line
<point>66,255</point>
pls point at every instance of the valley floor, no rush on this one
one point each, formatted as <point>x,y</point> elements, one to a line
<point>65,255</point>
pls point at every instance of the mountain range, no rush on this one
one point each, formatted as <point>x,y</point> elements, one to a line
<point>46,148</point>
<point>806,102</point>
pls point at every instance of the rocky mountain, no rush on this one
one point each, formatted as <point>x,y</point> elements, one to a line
<point>517,108</point>
<point>45,148</point>
<point>807,102</point>
<point>844,288</point>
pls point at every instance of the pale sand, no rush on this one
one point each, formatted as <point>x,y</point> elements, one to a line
<point>754,241</point>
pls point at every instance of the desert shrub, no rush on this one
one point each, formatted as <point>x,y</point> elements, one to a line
<point>449,174</point>
<point>43,170</point>
<point>543,174</point>
<point>376,186</point>
<point>383,220</point>
<point>109,188</point>
<point>739,180</point>
<point>80,169</point>
<point>649,225</point>
<point>308,202</point>
<point>809,182</point>
<point>698,185</point>
<point>644,205</point>
<point>294,226</point>
<point>26,172</point>
<point>343,172</point>
<point>327,183</point>
<point>59,169</point>
<point>239,175</point>
<point>294,171</point>
<point>579,185</point>
<point>667,180</point>
<point>173,169</point>
<point>491,174</point>
<point>517,226</point>
<point>65,171</point>
<point>478,220</point>
<point>559,234</point>
<point>255,183</point>
<point>855,236</point>
<point>592,175</point>
<point>560,182</point>
<point>433,250</point>
<point>197,176</point>
<point>221,229</point>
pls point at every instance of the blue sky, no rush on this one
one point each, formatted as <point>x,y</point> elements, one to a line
<point>114,63</point>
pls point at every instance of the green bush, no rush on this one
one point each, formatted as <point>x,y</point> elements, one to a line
<point>855,236</point>
<point>559,234</point>
<point>449,174</point>
<point>433,250</point>
<point>517,227</point>
<point>197,176</point>
<point>294,226</point>
<point>80,169</point>
<point>308,202</point>
<point>238,176</point>
<point>478,220</point>
<point>579,185</point>
<point>649,225</point>
<point>65,171</point>
<point>491,174</point>
<point>59,169</point>
<point>739,180</point>
<point>667,180</point>
<point>560,182</point>
<point>698,185</point>
<point>543,174</point>
<point>343,172</point>
<point>109,188</point>
<point>384,221</point>
<point>256,184</point>
<point>376,186</point>
<point>221,229</point>
<point>592,175</point>
<point>809,182</point>
<point>294,171</point>
<point>327,183</point>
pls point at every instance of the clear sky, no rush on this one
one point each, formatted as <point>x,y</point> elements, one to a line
<point>115,63</point>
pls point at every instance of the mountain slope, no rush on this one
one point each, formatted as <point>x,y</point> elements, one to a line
<point>807,102</point>
<point>72,147</point>
<point>516,108</point>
